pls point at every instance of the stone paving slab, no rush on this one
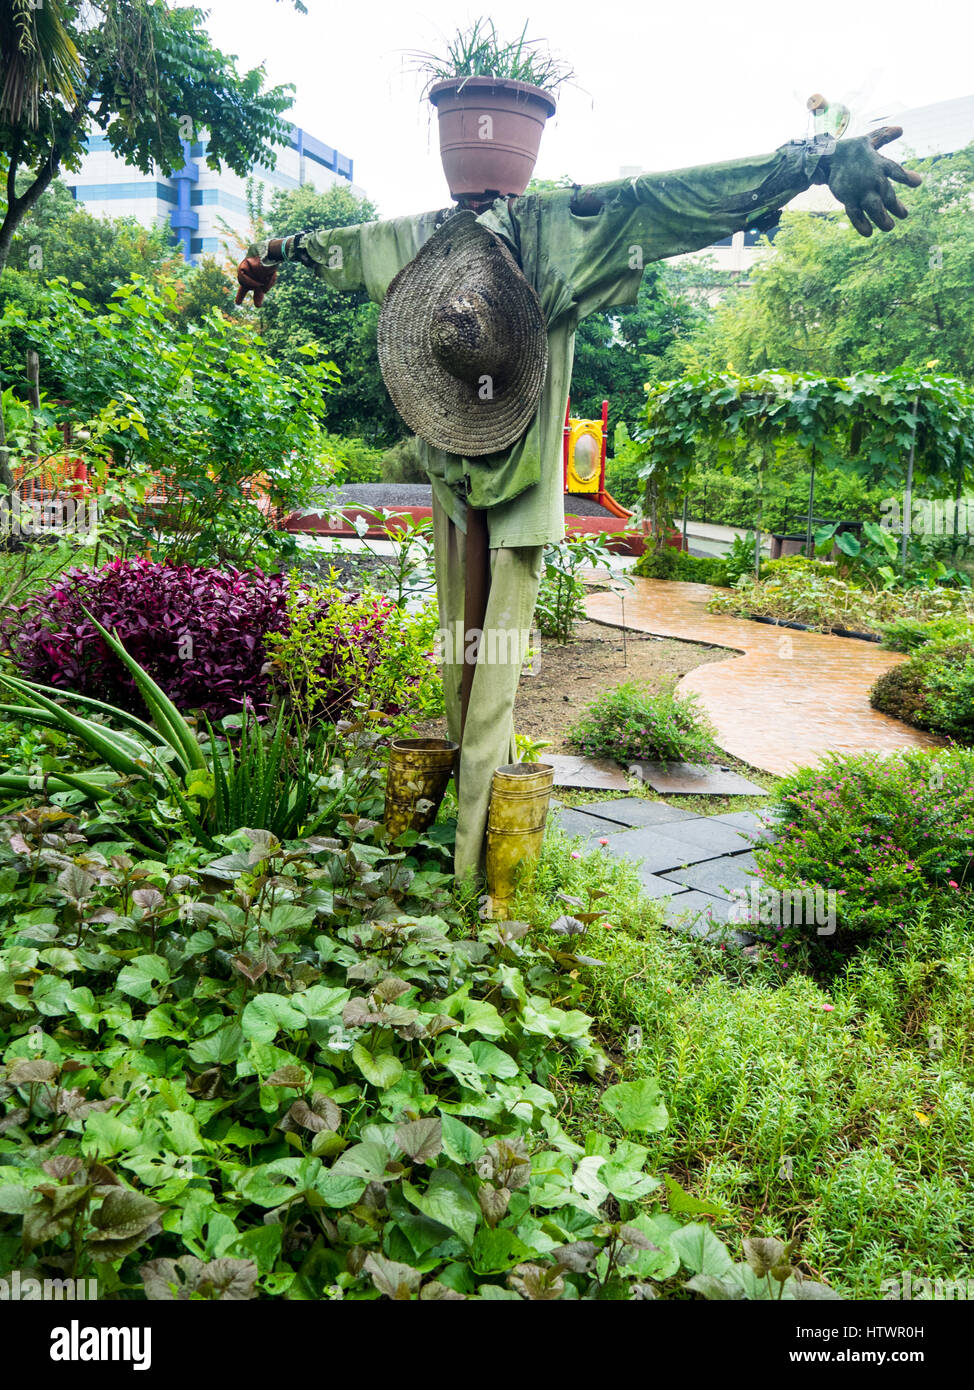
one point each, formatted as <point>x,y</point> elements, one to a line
<point>696,779</point>
<point>656,850</point>
<point>586,774</point>
<point>656,887</point>
<point>787,698</point>
<point>720,877</point>
<point>574,821</point>
<point>701,915</point>
<point>709,835</point>
<point>756,824</point>
<point>635,811</point>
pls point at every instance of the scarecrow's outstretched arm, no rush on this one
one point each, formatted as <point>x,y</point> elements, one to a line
<point>687,209</point>
<point>363,257</point>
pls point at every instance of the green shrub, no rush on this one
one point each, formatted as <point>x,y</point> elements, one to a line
<point>561,593</point>
<point>401,463</point>
<point>815,593</point>
<point>665,562</point>
<point>352,460</point>
<point>340,650</point>
<point>887,834</point>
<point>907,634</point>
<point>934,689</point>
<point>630,723</point>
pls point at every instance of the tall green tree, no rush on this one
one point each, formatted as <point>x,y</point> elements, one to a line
<point>617,352</point>
<point>146,72</point>
<point>304,310</point>
<point>827,301</point>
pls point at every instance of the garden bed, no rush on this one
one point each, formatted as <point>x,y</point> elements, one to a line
<point>568,677</point>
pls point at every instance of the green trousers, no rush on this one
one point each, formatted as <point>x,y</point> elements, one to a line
<point>488,737</point>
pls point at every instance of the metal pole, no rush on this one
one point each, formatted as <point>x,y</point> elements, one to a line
<point>811,507</point>
<point>685,547</point>
<point>908,496</point>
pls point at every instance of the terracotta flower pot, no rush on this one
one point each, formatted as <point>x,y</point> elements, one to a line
<point>490,130</point>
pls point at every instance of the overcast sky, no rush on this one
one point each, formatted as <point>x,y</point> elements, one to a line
<point>659,87</point>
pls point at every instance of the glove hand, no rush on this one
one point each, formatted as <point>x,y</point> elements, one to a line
<point>860,178</point>
<point>251,275</point>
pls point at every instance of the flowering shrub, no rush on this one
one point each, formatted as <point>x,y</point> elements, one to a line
<point>199,632</point>
<point>628,723</point>
<point>887,834</point>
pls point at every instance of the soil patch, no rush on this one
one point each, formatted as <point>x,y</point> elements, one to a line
<point>570,677</point>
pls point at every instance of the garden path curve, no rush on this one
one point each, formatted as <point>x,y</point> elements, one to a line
<point>788,697</point>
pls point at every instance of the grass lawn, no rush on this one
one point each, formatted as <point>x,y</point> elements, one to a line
<point>838,1113</point>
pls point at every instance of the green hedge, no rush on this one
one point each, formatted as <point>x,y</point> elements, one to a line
<point>663,562</point>
<point>933,690</point>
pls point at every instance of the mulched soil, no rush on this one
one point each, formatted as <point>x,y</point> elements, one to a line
<point>568,678</point>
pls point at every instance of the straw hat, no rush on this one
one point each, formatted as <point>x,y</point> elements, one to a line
<point>462,342</point>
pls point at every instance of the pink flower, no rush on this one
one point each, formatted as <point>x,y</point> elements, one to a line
<point>603,842</point>
<point>575,854</point>
<point>829,1008</point>
<point>951,884</point>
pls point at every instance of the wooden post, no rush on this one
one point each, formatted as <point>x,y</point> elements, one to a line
<point>476,590</point>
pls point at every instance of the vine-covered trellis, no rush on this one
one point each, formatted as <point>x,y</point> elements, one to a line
<point>903,428</point>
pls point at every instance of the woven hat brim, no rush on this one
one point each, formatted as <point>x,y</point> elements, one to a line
<point>471,419</point>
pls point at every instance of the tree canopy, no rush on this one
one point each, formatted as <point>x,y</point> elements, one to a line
<point>146,73</point>
<point>829,302</point>
<point>303,310</point>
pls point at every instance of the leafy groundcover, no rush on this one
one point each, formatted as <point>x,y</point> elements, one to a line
<point>297,1071</point>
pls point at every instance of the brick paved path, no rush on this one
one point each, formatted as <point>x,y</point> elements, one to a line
<point>788,698</point>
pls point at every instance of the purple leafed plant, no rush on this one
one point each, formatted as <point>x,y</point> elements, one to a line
<point>199,632</point>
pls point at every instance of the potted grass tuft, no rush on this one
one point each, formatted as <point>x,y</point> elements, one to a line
<point>492,100</point>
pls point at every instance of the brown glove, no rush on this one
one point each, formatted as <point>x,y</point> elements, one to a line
<point>859,178</point>
<point>251,275</point>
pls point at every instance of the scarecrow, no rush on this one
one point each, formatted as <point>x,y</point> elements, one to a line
<point>476,338</point>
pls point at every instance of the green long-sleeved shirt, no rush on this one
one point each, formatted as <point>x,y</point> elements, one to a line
<point>579,264</point>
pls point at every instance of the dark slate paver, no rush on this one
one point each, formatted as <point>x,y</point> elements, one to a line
<point>656,850</point>
<point>634,811</point>
<point>708,834</point>
<point>573,820</point>
<point>695,779</point>
<point>719,877</point>
<point>702,915</point>
<point>593,774</point>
